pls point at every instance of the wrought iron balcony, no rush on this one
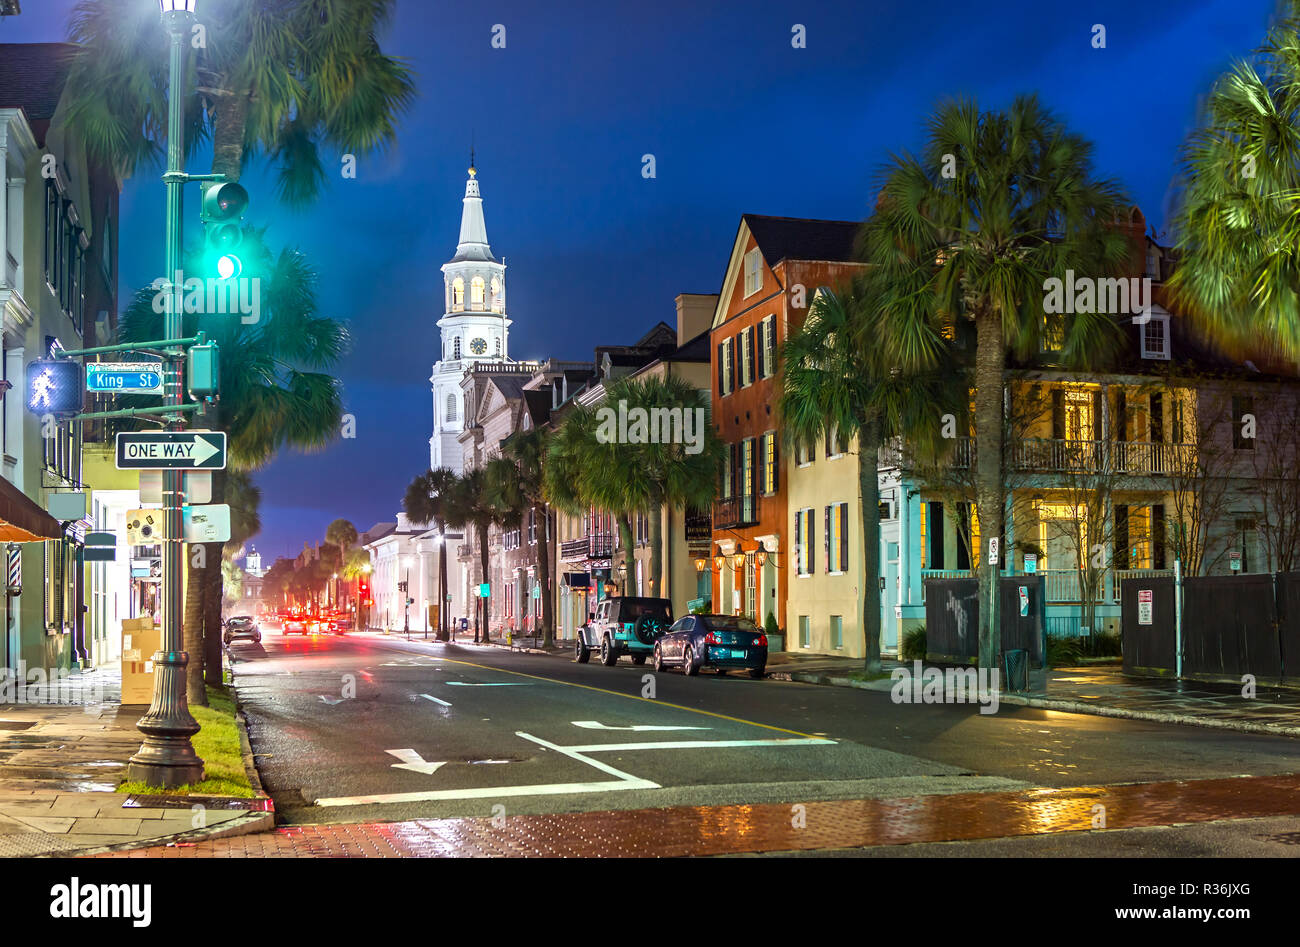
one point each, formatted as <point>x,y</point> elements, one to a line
<point>1056,455</point>
<point>592,546</point>
<point>732,512</point>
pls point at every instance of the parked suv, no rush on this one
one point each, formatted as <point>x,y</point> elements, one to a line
<point>624,625</point>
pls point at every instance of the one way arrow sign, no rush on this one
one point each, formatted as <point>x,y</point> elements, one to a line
<point>189,450</point>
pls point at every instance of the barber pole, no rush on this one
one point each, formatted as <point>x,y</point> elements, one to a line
<point>14,574</point>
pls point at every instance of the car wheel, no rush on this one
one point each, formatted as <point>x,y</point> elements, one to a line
<point>659,658</point>
<point>638,659</point>
<point>689,667</point>
<point>608,656</point>
<point>722,672</point>
<point>758,672</point>
<point>582,653</point>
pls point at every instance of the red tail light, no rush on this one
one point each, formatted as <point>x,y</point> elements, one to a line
<point>711,638</point>
<point>760,641</point>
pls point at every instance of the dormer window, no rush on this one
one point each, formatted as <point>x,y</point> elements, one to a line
<point>1155,337</point>
<point>753,271</point>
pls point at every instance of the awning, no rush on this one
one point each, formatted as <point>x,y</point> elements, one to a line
<point>21,520</point>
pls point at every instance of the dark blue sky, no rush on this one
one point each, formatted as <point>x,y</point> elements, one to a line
<point>739,122</point>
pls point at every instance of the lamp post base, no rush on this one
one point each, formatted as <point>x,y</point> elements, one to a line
<point>166,758</point>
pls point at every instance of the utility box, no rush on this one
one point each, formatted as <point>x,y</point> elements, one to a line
<point>203,370</point>
<point>140,641</point>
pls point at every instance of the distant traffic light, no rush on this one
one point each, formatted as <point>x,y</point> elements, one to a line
<point>221,210</point>
<point>54,386</point>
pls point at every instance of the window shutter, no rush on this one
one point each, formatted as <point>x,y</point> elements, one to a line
<point>732,367</point>
<point>827,541</point>
<point>752,343</point>
<point>776,463</point>
<point>1120,560</point>
<point>810,543</point>
<point>798,542</point>
<point>1157,416</point>
<point>1121,415</point>
<point>1158,536</point>
<point>844,536</point>
<point>1058,414</point>
<point>722,390</point>
<point>937,560</point>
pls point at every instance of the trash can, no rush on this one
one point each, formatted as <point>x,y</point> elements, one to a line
<point>1015,669</point>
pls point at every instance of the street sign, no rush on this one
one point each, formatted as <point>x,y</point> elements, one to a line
<point>1024,601</point>
<point>1234,561</point>
<point>171,450</point>
<point>100,547</point>
<point>136,378</point>
<point>1031,562</point>
<point>993,550</point>
<point>206,524</point>
<point>196,486</point>
<point>1146,607</point>
<point>144,527</point>
<point>67,506</point>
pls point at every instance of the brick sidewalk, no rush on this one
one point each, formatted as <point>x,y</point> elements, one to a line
<point>742,829</point>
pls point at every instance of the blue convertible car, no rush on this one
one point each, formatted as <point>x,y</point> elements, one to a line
<point>721,642</point>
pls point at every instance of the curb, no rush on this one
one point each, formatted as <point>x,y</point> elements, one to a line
<point>244,825</point>
<point>1065,706</point>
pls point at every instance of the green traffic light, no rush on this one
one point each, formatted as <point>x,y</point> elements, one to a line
<point>228,266</point>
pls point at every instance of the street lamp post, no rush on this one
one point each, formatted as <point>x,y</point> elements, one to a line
<point>166,758</point>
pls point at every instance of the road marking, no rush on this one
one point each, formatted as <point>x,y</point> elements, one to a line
<point>490,684</point>
<point>602,690</point>
<point>332,700</point>
<point>414,762</point>
<point>435,700</point>
<point>486,762</point>
<point>701,744</point>
<point>621,782</point>
<point>594,725</point>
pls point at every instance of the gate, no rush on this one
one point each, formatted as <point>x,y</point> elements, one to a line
<point>1147,624</point>
<point>1230,627</point>
<point>952,617</point>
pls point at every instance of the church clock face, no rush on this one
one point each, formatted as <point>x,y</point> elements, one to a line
<point>478,347</point>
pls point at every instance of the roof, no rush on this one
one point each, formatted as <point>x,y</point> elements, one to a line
<point>696,350</point>
<point>32,76</point>
<point>801,238</point>
<point>537,402</point>
<point>378,531</point>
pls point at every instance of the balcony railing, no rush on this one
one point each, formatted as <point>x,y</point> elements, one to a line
<point>593,546</point>
<point>1062,585</point>
<point>735,511</point>
<point>1055,455</point>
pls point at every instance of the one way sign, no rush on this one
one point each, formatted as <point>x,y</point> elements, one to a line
<point>191,450</point>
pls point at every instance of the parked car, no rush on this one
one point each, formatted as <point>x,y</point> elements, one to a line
<point>721,642</point>
<point>624,625</point>
<point>242,626</point>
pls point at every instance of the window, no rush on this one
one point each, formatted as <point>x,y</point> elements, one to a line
<point>476,293</point>
<point>837,632</point>
<point>803,455</point>
<point>496,347</point>
<point>837,538</point>
<point>726,366</point>
<point>746,357</point>
<point>805,632</point>
<point>532,527</point>
<point>747,478</point>
<point>804,558</point>
<point>770,479</point>
<point>1155,337</point>
<point>457,295</point>
<point>728,485</point>
<point>1243,422</point>
<point>1051,337</point>
<point>455,347</point>
<point>495,287</point>
<point>753,272</point>
<point>833,446</point>
<point>451,409</point>
<point>1246,532</point>
<point>767,347</point>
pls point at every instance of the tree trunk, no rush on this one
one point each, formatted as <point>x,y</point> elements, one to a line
<point>213,595</point>
<point>193,630</point>
<point>658,587</point>
<point>442,584</point>
<point>990,359</point>
<point>544,579</point>
<point>483,563</point>
<point>869,488</point>
<point>230,115</point>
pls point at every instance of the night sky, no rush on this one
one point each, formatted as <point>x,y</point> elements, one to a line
<point>738,121</point>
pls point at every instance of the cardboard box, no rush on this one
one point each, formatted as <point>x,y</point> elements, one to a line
<point>140,640</point>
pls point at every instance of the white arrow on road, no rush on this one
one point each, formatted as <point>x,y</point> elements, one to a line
<point>474,684</point>
<point>413,761</point>
<point>203,449</point>
<point>594,725</point>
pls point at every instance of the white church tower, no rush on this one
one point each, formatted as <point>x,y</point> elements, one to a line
<point>474,325</point>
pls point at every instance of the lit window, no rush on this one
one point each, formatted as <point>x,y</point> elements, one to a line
<point>1155,337</point>
<point>476,293</point>
<point>769,463</point>
<point>457,295</point>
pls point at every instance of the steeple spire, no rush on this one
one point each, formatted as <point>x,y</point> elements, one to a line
<point>473,243</point>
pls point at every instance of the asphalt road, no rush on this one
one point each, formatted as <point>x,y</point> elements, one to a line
<point>363,727</point>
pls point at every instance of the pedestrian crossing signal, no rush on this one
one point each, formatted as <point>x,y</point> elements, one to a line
<point>54,386</point>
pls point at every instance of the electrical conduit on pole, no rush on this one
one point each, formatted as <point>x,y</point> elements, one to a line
<point>166,758</point>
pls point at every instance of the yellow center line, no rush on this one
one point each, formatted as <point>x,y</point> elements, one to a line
<point>648,700</point>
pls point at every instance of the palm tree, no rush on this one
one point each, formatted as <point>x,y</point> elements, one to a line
<point>282,80</point>
<point>340,534</point>
<point>969,230</point>
<point>834,383</point>
<point>1237,221</point>
<point>470,504</point>
<point>427,500</point>
<point>517,485</point>
<point>276,391</point>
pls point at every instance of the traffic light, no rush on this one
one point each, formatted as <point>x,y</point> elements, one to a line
<point>221,210</point>
<point>54,386</point>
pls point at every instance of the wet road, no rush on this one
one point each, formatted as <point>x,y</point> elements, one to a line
<point>371,728</point>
